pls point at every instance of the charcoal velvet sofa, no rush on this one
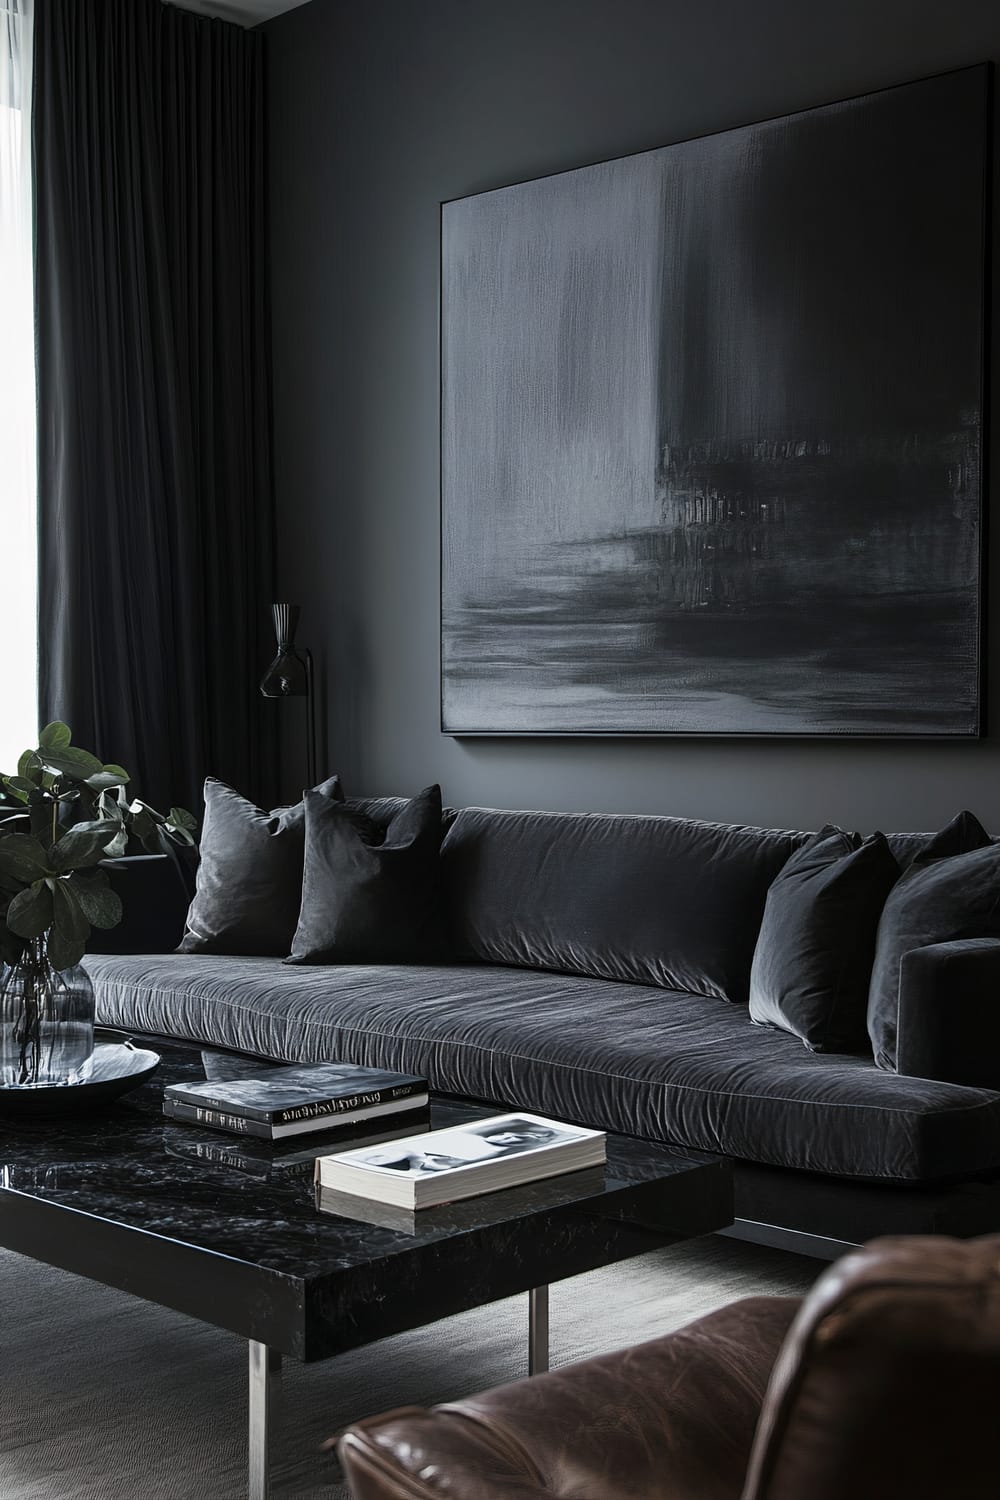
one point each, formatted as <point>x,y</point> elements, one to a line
<point>598,971</point>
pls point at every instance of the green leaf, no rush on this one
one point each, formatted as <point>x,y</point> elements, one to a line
<point>83,844</point>
<point>171,835</point>
<point>30,913</point>
<point>110,807</point>
<point>71,929</point>
<point>76,764</point>
<point>30,767</point>
<point>142,809</point>
<point>180,818</point>
<point>142,823</point>
<point>20,783</point>
<point>55,736</point>
<point>151,832</point>
<point>22,856</point>
<point>107,777</point>
<point>117,846</point>
<point>99,903</point>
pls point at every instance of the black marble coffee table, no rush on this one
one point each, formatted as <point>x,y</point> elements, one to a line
<point>122,1197</point>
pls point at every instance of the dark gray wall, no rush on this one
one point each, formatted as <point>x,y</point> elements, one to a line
<point>380,109</point>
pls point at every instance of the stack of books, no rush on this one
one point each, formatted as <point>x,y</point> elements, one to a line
<point>277,1161</point>
<point>333,1098</point>
<point>442,1166</point>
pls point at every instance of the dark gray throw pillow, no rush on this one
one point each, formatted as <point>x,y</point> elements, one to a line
<point>950,891</point>
<point>369,897</point>
<point>813,960</point>
<point>249,881</point>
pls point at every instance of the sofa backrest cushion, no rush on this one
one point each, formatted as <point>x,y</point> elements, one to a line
<point>382,810</point>
<point>652,900</point>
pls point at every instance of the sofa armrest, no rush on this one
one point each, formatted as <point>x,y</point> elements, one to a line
<point>672,1417</point>
<point>155,897</point>
<point>949,1013</point>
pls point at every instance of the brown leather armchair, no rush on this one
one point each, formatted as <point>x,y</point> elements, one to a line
<point>883,1384</point>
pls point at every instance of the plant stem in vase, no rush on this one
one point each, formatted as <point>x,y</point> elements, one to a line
<point>46,1021</point>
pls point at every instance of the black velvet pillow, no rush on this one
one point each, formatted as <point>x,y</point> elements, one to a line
<point>813,961</point>
<point>950,891</point>
<point>249,882</point>
<point>365,901</point>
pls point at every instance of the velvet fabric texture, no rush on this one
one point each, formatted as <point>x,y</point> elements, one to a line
<point>950,891</point>
<point>249,883</point>
<point>813,961</point>
<point>155,504</point>
<point>626,1057</point>
<point>949,1019</point>
<point>369,896</point>
<point>666,901</point>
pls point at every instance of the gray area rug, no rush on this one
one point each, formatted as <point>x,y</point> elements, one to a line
<point>105,1397</point>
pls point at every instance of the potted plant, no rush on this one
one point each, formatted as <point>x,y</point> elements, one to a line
<point>64,813</point>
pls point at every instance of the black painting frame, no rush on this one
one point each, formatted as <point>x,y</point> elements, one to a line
<point>985,72</point>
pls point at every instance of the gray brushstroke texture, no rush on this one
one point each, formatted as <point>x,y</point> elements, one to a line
<point>711,432</point>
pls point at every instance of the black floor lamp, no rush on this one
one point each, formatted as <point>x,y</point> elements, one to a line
<point>290,675</point>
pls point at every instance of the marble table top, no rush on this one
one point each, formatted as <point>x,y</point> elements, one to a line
<point>236,1235</point>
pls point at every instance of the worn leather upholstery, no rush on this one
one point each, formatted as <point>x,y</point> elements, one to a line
<point>594,1430</point>
<point>889,1380</point>
<point>882,1383</point>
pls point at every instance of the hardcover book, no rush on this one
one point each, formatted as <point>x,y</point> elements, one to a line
<point>467,1213</point>
<point>277,1161</point>
<point>442,1166</point>
<point>342,1123</point>
<point>302,1091</point>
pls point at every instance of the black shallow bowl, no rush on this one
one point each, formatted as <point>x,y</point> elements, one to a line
<point>116,1068</point>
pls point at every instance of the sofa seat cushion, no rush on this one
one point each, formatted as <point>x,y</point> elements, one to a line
<point>622,1057</point>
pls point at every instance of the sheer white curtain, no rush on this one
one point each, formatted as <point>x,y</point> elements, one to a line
<point>18,499</point>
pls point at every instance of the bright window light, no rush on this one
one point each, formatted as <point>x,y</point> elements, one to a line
<point>18,489</point>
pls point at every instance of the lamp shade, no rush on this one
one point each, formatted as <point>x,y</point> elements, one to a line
<point>287,676</point>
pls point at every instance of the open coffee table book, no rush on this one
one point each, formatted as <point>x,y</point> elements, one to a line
<point>442,1166</point>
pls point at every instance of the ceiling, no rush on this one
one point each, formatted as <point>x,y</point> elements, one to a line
<point>245,12</point>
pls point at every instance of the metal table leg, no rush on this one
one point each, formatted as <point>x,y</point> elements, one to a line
<point>265,1391</point>
<point>538,1330</point>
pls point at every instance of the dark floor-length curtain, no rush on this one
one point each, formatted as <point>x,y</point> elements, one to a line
<point>155,510</point>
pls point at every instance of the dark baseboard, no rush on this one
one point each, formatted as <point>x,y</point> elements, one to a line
<point>779,1238</point>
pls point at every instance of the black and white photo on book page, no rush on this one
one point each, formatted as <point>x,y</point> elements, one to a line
<point>482,1156</point>
<point>514,1135</point>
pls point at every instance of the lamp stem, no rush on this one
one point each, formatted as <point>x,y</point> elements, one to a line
<point>311,720</point>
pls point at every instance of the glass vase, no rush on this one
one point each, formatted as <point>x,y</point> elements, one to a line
<point>46,1021</point>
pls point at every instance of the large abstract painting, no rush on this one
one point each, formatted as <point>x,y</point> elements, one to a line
<point>712,442</point>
